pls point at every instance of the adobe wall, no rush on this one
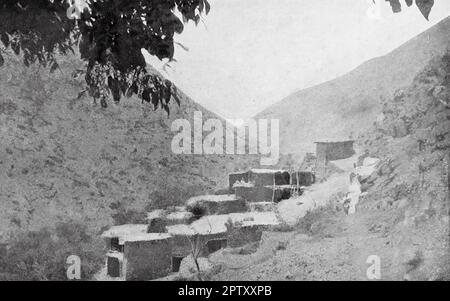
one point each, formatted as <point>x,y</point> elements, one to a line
<point>181,244</point>
<point>227,207</point>
<point>114,266</point>
<point>262,194</point>
<point>223,207</point>
<point>245,193</point>
<point>264,179</point>
<point>237,176</point>
<point>147,260</point>
<point>305,178</point>
<point>331,151</point>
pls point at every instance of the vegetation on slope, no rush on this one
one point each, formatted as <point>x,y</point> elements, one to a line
<point>404,216</point>
<point>64,159</point>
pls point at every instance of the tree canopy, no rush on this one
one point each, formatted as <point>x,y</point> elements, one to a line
<point>109,35</point>
<point>423,5</point>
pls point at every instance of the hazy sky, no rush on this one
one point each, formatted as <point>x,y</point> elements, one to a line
<point>249,54</point>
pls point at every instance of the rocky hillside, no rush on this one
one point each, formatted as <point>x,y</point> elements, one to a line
<point>64,158</point>
<point>402,216</point>
<point>411,189</point>
<point>349,105</point>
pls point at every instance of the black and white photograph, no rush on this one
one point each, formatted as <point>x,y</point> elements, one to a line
<point>224,141</point>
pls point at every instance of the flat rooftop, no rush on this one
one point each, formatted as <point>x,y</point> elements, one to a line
<point>259,170</point>
<point>333,141</point>
<point>133,233</point>
<point>212,198</point>
<point>214,224</point>
<point>122,230</point>
<point>158,213</point>
<point>177,215</point>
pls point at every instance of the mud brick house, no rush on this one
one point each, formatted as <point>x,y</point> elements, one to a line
<point>156,249</point>
<point>234,177</point>
<point>259,177</point>
<point>135,254</point>
<point>251,193</point>
<point>210,236</point>
<point>265,177</point>
<point>262,185</point>
<point>179,217</point>
<point>159,219</point>
<point>214,232</point>
<point>331,151</point>
<point>303,178</point>
<point>218,204</point>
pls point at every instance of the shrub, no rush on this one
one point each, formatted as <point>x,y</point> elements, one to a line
<point>42,255</point>
<point>198,210</point>
<point>129,216</point>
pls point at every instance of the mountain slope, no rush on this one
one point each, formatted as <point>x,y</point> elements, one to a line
<point>403,217</point>
<point>350,104</point>
<point>67,159</point>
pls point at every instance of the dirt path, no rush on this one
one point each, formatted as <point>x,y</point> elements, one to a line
<point>336,254</point>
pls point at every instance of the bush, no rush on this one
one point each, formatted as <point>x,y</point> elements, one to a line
<point>305,224</point>
<point>129,216</point>
<point>198,210</point>
<point>41,255</point>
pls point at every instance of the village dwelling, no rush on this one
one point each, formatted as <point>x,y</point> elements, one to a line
<point>135,254</point>
<point>203,226</point>
<point>268,185</point>
<point>217,204</point>
<point>327,151</point>
<point>215,232</point>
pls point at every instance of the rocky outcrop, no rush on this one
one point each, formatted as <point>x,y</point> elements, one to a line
<point>411,184</point>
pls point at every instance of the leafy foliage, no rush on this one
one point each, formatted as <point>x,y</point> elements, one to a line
<point>423,5</point>
<point>109,34</point>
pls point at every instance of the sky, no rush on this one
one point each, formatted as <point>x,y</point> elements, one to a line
<point>248,54</point>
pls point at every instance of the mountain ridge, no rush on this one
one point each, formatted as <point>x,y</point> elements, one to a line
<point>349,104</point>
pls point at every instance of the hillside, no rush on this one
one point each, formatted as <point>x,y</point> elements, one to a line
<point>403,218</point>
<point>63,158</point>
<point>348,105</point>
